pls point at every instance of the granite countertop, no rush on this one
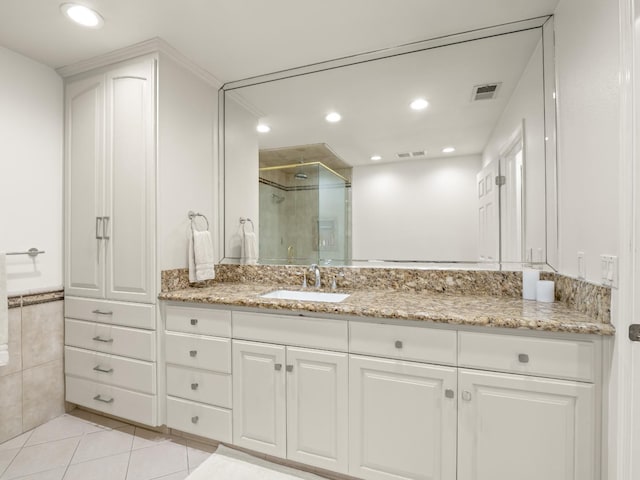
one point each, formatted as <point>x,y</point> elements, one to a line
<point>454,309</point>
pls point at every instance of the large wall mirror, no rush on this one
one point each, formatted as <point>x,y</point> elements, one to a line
<point>441,151</point>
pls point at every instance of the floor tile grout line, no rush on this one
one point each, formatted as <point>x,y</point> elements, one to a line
<point>71,458</point>
<point>18,452</point>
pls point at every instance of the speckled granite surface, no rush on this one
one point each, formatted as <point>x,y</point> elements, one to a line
<point>580,296</point>
<point>44,297</point>
<point>456,309</point>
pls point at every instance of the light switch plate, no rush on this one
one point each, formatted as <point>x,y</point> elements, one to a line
<point>609,270</point>
<point>582,268</point>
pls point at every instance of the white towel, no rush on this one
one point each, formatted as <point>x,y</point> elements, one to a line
<point>201,263</point>
<point>248,249</point>
<point>4,313</point>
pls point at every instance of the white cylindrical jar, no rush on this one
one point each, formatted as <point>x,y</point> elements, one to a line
<point>529,279</point>
<point>545,291</point>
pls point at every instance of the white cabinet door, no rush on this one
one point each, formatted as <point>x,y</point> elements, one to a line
<point>402,420</point>
<point>317,408</point>
<point>525,428</point>
<point>84,175</point>
<point>259,397</point>
<point>130,187</point>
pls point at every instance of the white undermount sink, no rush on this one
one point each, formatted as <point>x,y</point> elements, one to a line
<point>306,296</point>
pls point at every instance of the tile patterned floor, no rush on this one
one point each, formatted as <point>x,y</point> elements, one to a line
<point>85,446</point>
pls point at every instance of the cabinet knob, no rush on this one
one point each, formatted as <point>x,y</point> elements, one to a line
<point>398,344</point>
<point>194,321</point>
<point>523,358</point>
<point>195,419</point>
<point>193,353</point>
<point>466,396</point>
<point>194,386</point>
<point>278,366</point>
<point>289,368</point>
<point>449,393</point>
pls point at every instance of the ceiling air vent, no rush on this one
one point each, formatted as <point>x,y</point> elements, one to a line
<point>485,92</point>
<point>415,154</point>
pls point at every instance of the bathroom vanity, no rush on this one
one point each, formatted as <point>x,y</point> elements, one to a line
<point>390,384</point>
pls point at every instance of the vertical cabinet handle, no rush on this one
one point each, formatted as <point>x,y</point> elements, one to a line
<point>523,358</point>
<point>105,228</point>
<point>98,228</point>
<point>194,386</point>
<point>278,367</point>
<point>194,321</point>
<point>193,353</point>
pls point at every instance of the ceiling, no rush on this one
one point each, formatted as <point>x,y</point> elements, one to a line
<point>235,39</point>
<point>373,99</point>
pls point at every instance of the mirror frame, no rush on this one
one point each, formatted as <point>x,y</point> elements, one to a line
<point>546,23</point>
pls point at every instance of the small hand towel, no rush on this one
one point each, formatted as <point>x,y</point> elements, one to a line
<point>4,313</point>
<point>248,249</point>
<point>201,263</point>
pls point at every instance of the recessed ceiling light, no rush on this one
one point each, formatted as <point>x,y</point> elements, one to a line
<point>375,158</point>
<point>82,15</point>
<point>419,104</point>
<point>448,150</point>
<point>262,128</point>
<point>333,117</point>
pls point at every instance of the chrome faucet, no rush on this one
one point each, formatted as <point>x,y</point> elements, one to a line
<point>316,271</point>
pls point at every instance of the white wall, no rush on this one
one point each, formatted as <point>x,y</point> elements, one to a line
<point>240,173</point>
<point>525,108</point>
<point>587,64</point>
<point>187,117</point>
<point>31,125</point>
<point>417,210</point>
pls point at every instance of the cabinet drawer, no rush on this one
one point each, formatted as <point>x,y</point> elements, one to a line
<point>319,333</point>
<point>200,321</point>
<point>114,313</point>
<point>112,370</point>
<point>403,342</point>
<point>203,420</point>
<point>568,359</point>
<point>128,342</point>
<point>199,385</point>
<point>139,407</point>
<point>208,353</point>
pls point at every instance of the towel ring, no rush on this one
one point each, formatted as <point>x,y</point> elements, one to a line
<point>244,220</point>
<point>193,215</point>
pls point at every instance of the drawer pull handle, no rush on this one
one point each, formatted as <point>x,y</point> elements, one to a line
<point>278,366</point>
<point>194,386</point>
<point>289,368</point>
<point>523,358</point>
<point>193,353</point>
<point>103,340</point>
<point>194,321</point>
<point>398,344</point>
<point>449,393</point>
<point>195,419</point>
<point>103,400</point>
<point>98,368</point>
<point>100,312</point>
<point>466,396</point>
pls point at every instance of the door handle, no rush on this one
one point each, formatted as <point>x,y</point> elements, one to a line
<point>105,228</point>
<point>98,228</point>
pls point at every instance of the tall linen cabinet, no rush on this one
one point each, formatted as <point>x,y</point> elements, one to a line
<point>139,146</point>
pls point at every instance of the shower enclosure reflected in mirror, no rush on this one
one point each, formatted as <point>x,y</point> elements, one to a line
<point>304,208</point>
<point>382,184</point>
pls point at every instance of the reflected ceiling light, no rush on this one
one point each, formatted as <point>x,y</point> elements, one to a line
<point>333,117</point>
<point>448,150</point>
<point>375,158</point>
<point>419,104</point>
<point>82,15</point>
<point>262,128</point>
